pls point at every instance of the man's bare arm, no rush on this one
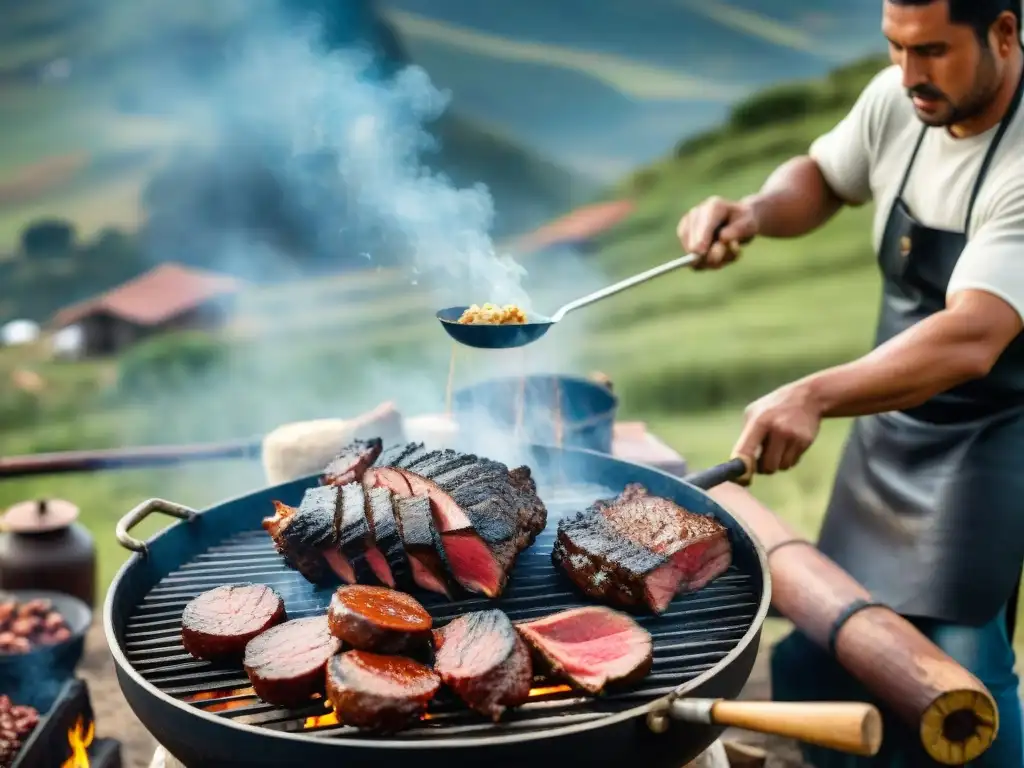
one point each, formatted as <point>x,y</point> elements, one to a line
<point>951,347</point>
<point>794,200</point>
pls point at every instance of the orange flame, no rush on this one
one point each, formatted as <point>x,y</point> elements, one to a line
<point>548,690</point>
<point>79,739</point>
<point>316,721</point>
<point>331,718</point>
<point>222,706</point>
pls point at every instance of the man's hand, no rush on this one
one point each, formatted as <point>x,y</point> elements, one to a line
<point>715,229</point>
<point>779,428</point>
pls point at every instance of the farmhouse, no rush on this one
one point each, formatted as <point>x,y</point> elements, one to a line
<point>169,297</point>
<point>576,230</point>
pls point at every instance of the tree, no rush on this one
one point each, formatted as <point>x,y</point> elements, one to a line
<point>47,238</point>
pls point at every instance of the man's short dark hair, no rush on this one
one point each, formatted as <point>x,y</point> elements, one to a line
<point>979,15</point>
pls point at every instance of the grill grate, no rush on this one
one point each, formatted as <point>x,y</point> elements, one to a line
<point>695,633</point>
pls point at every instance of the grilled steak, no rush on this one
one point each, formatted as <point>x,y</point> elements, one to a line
<point>386,557</point>
<point>378,619</point>
<point>217,624</point>
<point>303,558</point>
<point>640,550</point>
<point>286,663</point>
<point>422,544</point>
<point>486,514</point>
<point>354,537</point>
<point>352,460</point>
<point>396,454</point>
<point>483,660</point>
<point>382,693</point>
<point>591,647</point>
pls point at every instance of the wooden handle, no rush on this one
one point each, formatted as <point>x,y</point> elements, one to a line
<point>846,726</point>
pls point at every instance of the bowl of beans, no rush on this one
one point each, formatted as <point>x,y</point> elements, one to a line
<point>42,639</point>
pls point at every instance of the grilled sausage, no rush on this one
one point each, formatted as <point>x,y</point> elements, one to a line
<point>217,624</point>
<point>382,693</point>
<point>378,619</point>
<point>286,663</point>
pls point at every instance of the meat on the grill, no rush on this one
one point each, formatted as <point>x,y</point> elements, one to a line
<point>590,647</point>
<point>286,663</point>
<point>640,550</point>
<point>485,513</point>
<point>354,539</point>
<point>481,657</point>
<point>422,544</point>
<point>381,693</point>
<point>304,558</point>
<point>352,460</point>
<point>219,623</point>
<point>370,618</point>
<point>387,556</point>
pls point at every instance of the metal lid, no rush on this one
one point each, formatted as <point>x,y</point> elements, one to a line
<point>39,516</point>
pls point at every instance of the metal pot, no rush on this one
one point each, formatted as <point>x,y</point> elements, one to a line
<point>549,409</point>
<point>43,547</point>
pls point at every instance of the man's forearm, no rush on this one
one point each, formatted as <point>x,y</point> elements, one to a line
<point>933,356</point>
<point>794,200</point>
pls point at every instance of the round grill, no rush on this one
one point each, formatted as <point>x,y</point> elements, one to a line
<point>696,633</point>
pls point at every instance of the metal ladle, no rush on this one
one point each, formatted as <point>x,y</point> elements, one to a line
<point>486,336</point>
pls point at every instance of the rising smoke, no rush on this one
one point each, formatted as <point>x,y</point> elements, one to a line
<point>281,96</point>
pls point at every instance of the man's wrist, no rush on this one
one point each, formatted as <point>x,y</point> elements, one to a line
<point>757,205</point>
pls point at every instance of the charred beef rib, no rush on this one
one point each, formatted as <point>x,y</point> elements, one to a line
<point>350,463</point>
<point>640,550</point>
<point>481,516</point>
<point>378,619</point>
<point>486,514</point>
<point>220,622</point>
<point>483,660</point>
<point>590,647</point>
<point>381,693</point>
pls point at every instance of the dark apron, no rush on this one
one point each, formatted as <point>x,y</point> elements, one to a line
<point>927,510</point>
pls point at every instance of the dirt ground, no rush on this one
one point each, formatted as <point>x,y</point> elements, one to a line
<point>114,718</point>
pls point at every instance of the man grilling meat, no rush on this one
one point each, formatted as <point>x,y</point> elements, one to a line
<point>927,510</point>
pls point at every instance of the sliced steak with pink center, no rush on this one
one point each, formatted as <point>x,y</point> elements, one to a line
<point>387,558</point>
<point>640,550</point>
<point>591,647</point>
<point>350,558</point>
<point>483,660</point>
<point>352,461</point>
<point>422,544</point>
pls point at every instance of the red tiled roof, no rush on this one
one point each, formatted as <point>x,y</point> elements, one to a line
<point>580,225</point>
<point>154,297</point>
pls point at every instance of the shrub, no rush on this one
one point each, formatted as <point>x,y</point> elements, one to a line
<point>778,105</point>
<point>170,363</point>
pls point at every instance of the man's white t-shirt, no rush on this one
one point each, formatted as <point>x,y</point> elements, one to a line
<point>865,156</point>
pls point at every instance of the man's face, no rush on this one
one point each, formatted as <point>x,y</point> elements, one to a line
<point>949,75</point>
